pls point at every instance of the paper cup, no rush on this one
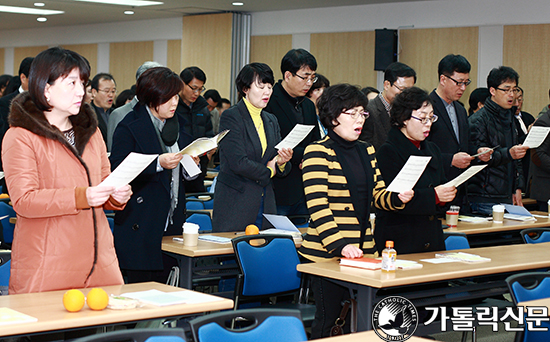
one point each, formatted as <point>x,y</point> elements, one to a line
<point>498,213</point>
<point>190,234</point>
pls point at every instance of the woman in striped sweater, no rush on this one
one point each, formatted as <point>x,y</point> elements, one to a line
<point>341,181</point>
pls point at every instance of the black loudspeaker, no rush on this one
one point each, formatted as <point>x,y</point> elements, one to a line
<point>385,50</point>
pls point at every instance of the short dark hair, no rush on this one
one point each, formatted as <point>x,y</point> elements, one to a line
<point>295,59</point>
<point>101,76</point>
<point>396,70</point>
<point>157,86</point>
<point>253,72</point>
<point>212,94</point>
<point>25,66</point>
<point>50,65</point>
<point>520,89</point>
<point>405,103</point>
<point>368,90</point>
<point>189,73</point>
<point>499,75</point>
<point>453,63</point>
<point>125,95</point>
<point>476,96</point>
<point>321,82</point>
<point>336,99</point>
<point>13,85</point>
<point>222,101</point>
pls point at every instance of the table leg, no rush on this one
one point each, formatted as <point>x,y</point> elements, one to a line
<point>185,264</point>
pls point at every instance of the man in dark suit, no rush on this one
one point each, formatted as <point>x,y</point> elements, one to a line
<point>290,105</point>
<point>397,77</point>
<point>103,94</point>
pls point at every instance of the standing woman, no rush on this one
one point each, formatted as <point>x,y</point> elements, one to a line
<point>157,206</point>
<point>416,228</point>
<point>248,158</point>
<point>314,93</point>
<point>341,180</point>
<point>54,159</point>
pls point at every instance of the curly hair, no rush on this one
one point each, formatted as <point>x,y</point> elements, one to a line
<point>337,99</point>
<point>405,103</point>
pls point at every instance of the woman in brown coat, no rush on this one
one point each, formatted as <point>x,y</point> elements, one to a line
<point>54,158</point>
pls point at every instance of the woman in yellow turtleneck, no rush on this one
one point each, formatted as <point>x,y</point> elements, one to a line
<point>248,158</point>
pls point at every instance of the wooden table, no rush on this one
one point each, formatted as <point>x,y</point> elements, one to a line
<point>188,256</point>
<point>365,336</point>
<point>52,316</point>
<point>504,261</point>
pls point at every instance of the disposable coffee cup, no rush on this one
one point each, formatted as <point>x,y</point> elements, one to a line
<point>498,213</point>
<point>190,234</point>
<point>452,217</point>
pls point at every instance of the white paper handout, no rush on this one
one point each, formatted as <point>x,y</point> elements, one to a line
<point>203,145</point>
<point>409,174</point>
<point>281,222</point>
<point>464,176</point>
<point>189,165</point>
<point>129,169</point>
<point>536,136</point>
<point>298,133</point>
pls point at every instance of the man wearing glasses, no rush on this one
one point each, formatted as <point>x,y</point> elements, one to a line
<point>397,77</point>
<point>502,181</point>
<point>452,132</point>
<point>193,107</point>
<point>290,105</point>
<point>103,96</point>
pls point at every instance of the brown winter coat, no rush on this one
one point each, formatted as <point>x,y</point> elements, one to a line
<point>59,242</point>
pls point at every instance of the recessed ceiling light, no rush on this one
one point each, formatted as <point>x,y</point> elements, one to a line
<point>41,19</point>
<point>26,10</point>
<point>39,4</point>
<point>238,3</point>
<point>136,3</point>
<point>128,12</point>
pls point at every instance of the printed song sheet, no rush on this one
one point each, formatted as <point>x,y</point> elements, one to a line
<point>129,169</point>
<point>536,136</point>
<point>409,174</point>
<point>298,133</point>
<point>464,176</point>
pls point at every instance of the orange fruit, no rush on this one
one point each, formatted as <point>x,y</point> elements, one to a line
<point>251,229</point>
<point>73,300</point>
<point>97,299</point>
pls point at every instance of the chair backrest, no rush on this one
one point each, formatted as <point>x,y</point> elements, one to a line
<point>111,223</point>
<point>456,241</point>
<point>137,335</point>
<point>196,204</point>
<point>268,267</point>
<point>529,286</point>
<point>535,235</point>
<point>203,220</point>
<point>266,325</point>
<point>5,271</point>
<point>8,228</point>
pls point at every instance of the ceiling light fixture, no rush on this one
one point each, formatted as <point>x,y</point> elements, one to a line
<point>238,3</point>
<point>136,3</point>
<point>128,12</point>
<point>39,4</point>
<point>26,10</point>
<point>41,19</point>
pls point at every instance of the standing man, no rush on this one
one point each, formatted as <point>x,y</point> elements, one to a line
<point>397,77</point>
<point>502,181</point>
<point>291,106</point>
<point>198,123</point>
<point>103,94</point>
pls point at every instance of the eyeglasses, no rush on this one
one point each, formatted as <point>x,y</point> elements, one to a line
<point>398,87</point>
<point>354,114</point>
<point>196,90</point>
<point>459,84</point>
<point>311,79</point>
<point>509,90</point>
<point>425,121</point>
<point>108,91</point>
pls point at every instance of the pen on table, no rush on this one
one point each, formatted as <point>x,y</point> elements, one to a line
<point>239,233</point>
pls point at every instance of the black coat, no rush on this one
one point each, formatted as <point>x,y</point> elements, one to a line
<point>376,127</point>
<point>540,168</point>
<point>101,124</point>
<point>416,228</point>
<point>289,190</point>
<point>243,172</point>
<point>497,182</point>
<point>140,226</point>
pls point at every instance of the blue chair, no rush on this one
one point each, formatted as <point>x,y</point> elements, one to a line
<point>266,325</point>
<point>268,268</point>
<point>203,220</point>
<point>6,209</point>
<point>194,205</point>
<point>206,198</point>
<point>456,241</point>
<point>137,335</point>
<point>535,235</point>
<point>5,271</point>
<point>111,223</point>
<point>530,286</point>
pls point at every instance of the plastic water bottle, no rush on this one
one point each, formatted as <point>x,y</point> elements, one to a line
<point>389,255</point>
